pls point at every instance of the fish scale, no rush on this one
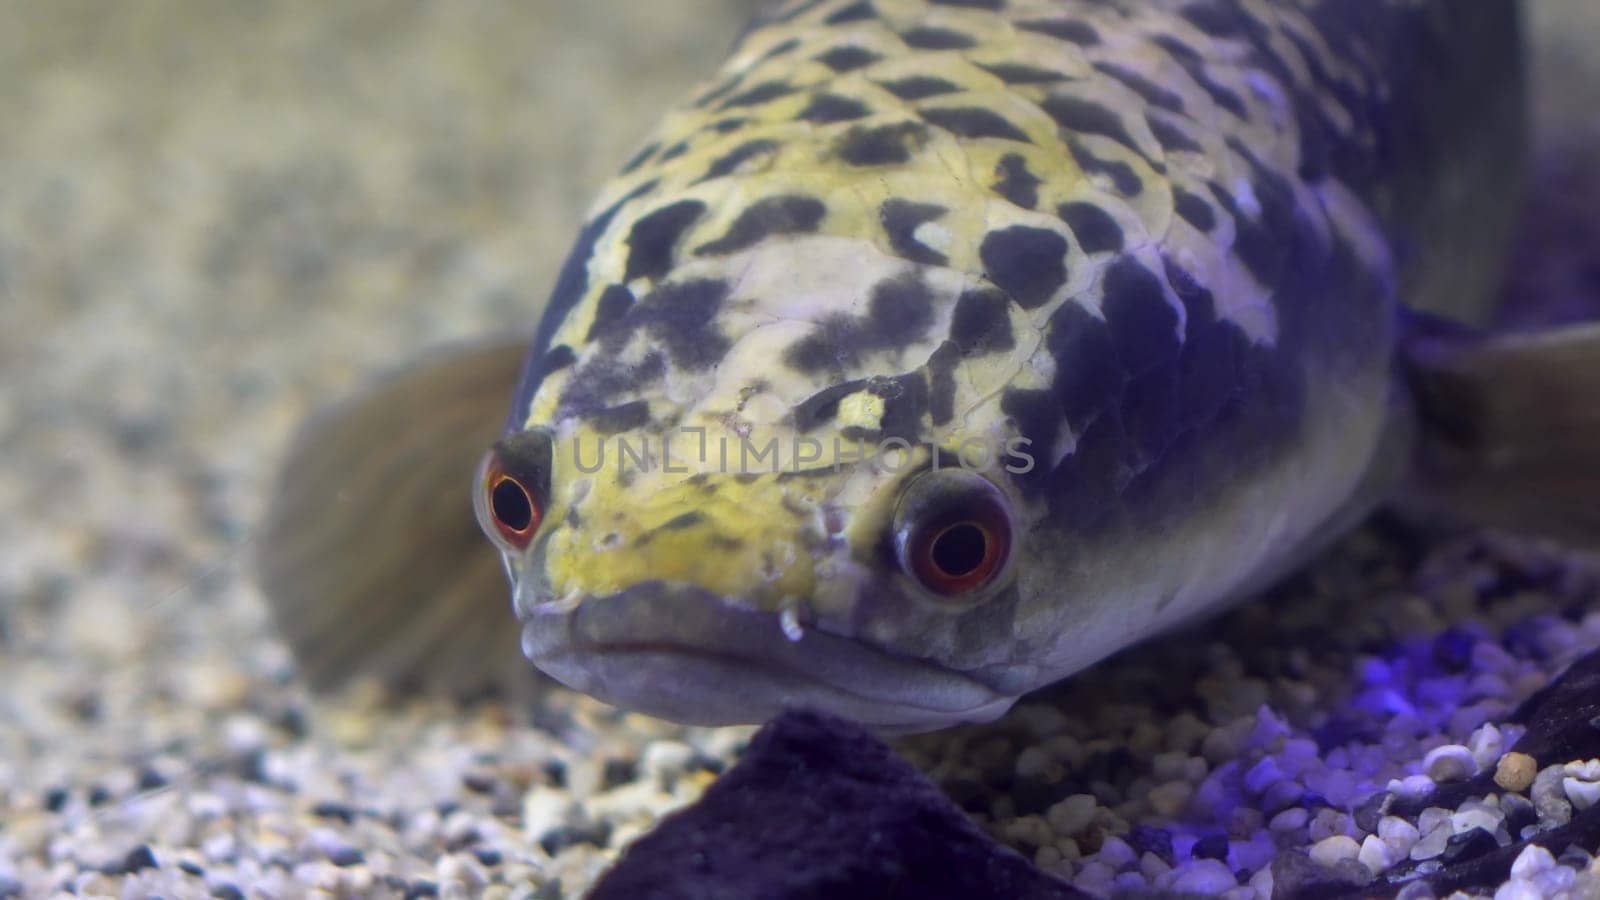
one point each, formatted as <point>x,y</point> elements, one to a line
<point>1146,261</point>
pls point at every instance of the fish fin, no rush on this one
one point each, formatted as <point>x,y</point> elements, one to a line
<point>370,557</point>
<point>1510,429</point>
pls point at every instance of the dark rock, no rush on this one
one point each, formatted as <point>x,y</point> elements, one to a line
<point>618,771</point>
<point>345,857</point>
<point>1452,649</point>
<point>1519,812</point>
<point>818,807</point>
<point>555,772</point>
<point>56,799</point>
<point>1560,717</point>
<point>333,810</point>
<point>1468,845</point>
<point>558,839</point>
<point>1371,810</point>
<point>1212,846</point>
<point>1311,801</point>
<point>137,860</point>
<point>1144,839</point>
<point>968,793</point>
<point>1575,857</point>
<point>1033,795</point>
<point>1295,875</point>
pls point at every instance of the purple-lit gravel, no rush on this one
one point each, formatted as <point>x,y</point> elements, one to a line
<point>1321,737</point>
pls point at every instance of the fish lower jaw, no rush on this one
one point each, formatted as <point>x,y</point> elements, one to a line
<point>685,654</point>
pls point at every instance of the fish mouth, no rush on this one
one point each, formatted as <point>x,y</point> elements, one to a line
<point>686,654</point>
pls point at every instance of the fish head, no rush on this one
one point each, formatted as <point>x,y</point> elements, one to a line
<point>779,522</point>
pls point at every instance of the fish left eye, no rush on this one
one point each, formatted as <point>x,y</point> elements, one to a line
<point>952,533</point>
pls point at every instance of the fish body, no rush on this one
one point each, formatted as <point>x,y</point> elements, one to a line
<point>936,349</point>
<point>1145,258</point>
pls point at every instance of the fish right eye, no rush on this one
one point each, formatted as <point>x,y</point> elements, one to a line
<point>508,511</point>
<point>510,490</point>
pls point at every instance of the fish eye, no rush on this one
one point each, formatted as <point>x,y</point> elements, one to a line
<point>509,494</point>
<point>952,533</point>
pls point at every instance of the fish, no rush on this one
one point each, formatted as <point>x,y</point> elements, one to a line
<point>934,350</point>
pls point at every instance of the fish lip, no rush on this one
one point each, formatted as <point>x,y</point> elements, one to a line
<point>683,653</point>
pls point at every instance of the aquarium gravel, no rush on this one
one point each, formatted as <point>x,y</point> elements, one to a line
<point>216,218</point>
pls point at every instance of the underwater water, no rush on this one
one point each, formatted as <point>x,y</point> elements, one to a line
<point>215,218</point>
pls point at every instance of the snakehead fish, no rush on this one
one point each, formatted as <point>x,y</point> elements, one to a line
<point>934,350</point>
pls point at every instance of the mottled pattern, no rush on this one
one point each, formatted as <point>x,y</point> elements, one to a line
<point>1150,238</point>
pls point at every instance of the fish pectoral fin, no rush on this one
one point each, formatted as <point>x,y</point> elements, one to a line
<point>370,557</point>
<point>1510,433</point>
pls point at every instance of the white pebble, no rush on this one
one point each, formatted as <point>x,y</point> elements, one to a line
<point>1518,890</point>
<point>1412,787</point>
<point>1533,860</point>
<point>1588,770</point>
<point>1130,883</point>
<point>1476,817</point>
<point>1399,834</point>
<point>1095,878</point>
<point>1432,843</point>
<point>1262,882</point>
<point>1329,822</point>
<point>1291,819</point>
<point>1376,855</point>
<point>1033,762</point>
<point>1431,818</point>
<point>1330,851</point>
<point>1262,775</point>
<point>1171,799</point>
<point>1153,867</point>
<point>662,758</point>
<point>1486,745</point>
<point>1072,815</point>
<point>1451,762</point>
<point>1582,794</point>
<point>1204,877</point>
<point>1116,853</point>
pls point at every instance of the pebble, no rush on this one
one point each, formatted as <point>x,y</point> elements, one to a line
<point>1476,815</point>
<point>1581,794</point>
<point>1412,787</point>
<point>1377,855</point>
<point>1204,877</point>
<point>1515,772</point>
<point>1289,820</point>
<point>1486,745</point>
<point>1549,796</point>
<point>1073,814</point>
<point>1432,842</point>
<point>1169,800</point>
<point>1399,834</point>
<point>1451,762</point>
<point>1532,861</point>
<point>1331,850</point>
